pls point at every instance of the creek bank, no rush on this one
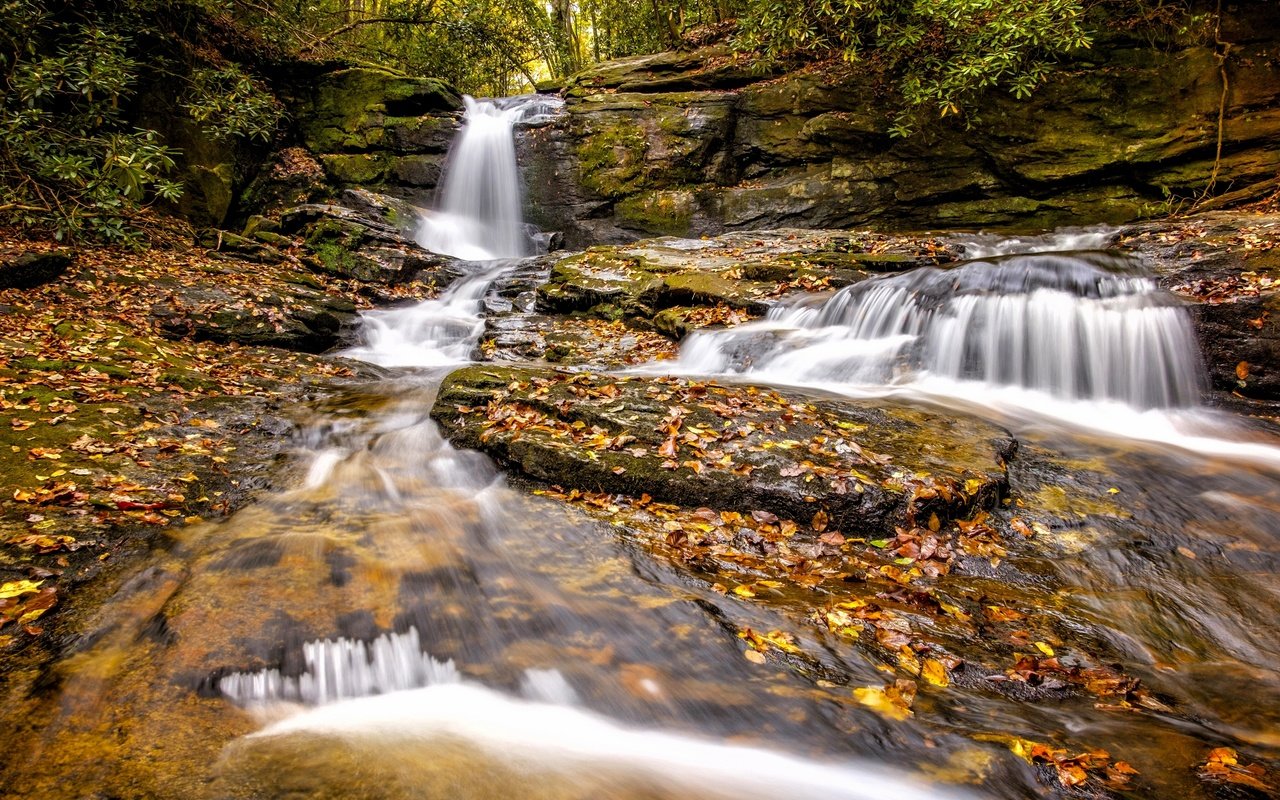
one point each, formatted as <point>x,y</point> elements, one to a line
<point>139,401</point>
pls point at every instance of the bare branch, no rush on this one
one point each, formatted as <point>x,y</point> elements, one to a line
<point>350,26</point>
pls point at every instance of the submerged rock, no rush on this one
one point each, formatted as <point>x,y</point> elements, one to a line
<point>860,466</point>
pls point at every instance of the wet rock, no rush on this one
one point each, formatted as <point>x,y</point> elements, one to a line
<point>865,467</point>
<point>742,272</point>
<point>30,269</point>
<point>366,245</point>
<point>1227,267</point>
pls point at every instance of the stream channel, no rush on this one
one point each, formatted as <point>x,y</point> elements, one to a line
<point>406,622</point>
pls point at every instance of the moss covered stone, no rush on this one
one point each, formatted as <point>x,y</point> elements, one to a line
<point>878,467</point>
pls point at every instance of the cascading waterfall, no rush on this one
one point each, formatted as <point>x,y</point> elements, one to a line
<point>1073,326</point>
<point>479,220</point>
<point>432,333</point>
<point>478,215</point>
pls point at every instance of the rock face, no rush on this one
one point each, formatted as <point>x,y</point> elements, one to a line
<point>739,447</point>
<point>674,145</point>
<point>368,127</point>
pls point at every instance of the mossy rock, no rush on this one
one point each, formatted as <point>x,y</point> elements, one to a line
<point>349,108</point>
<point>611,157</point>
<point>660,213</point>
<point>878,466</point>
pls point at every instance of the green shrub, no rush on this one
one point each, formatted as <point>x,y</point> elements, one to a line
<point>937,55</point>
<point>71,159</point>
<point>230,104</point>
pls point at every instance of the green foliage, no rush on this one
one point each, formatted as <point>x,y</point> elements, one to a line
<point>71,158</point>
<point>229,104</point>
<point>938,55</point>
<point>68,160</point>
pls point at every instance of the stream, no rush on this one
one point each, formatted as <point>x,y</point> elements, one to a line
<point>405,622</point>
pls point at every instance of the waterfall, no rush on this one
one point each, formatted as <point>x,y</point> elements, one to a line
<point>478,204</point>
<point>479,220</point>
<point>1070,325</point>
<point>432,333</point>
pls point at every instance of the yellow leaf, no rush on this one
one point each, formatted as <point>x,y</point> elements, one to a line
<point>18,588</point>
<point>876,699</point>
<point>744,591</point>
<point>1044,648</point>
<point>934,672</point>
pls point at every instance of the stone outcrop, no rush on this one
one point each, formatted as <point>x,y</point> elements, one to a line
<point>369,127</point>
<point>863,466</point>
<point>690,144</point>
<point>365,239</point>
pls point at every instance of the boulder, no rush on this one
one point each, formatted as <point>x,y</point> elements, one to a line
<point>292,314</point>
<point>367,245</point>
<point>26,270</point>
<point>866,467</point>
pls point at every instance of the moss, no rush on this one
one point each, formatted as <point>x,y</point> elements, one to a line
<point>273,239</point>
<point>612,159</point>
<point>334,257</point>
<point>358,169</point>
<point>58,365</point>
<point>350,107</point>
<point>186,379</point>
<point>662,213</point>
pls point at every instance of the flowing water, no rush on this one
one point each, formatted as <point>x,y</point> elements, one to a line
<point>478,208</point>
<point>404,624</point>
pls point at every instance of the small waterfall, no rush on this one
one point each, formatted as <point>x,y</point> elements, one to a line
<point>339,669</point>
<point>478,206</point>
<point>432,333</point>
<point>1074,326</point>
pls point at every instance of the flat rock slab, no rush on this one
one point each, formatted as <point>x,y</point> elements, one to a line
<point>746,271</point>
<point>859,467</point>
